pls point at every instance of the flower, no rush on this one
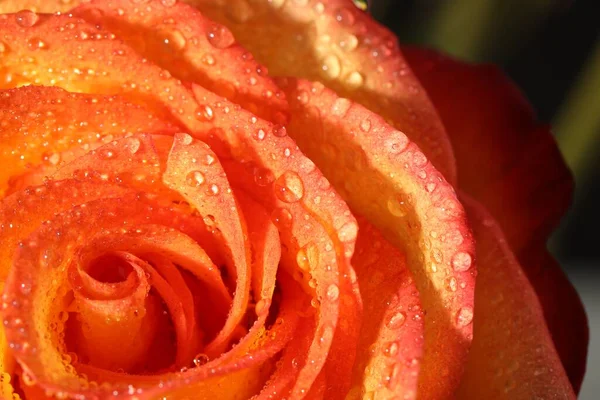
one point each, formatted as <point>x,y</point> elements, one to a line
<point>180,222</point>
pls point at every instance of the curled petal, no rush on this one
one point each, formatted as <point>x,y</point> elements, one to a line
<point>391,340</point>
<point>387,178</point>
<point>194,171</point>
<point>512,354</point>
<point>180,39</point>
<point>525,183</point>
<point>48,126</point>
<point>344,48</point>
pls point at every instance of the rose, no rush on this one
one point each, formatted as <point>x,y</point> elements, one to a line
<point>114,246</point>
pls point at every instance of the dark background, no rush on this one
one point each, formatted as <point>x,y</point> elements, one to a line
<point>551,48</point>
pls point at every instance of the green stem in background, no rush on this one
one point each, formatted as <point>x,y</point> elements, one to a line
<point>578,123</point>
<point>485,30</point>
<point>460,27</point>
<point>577,128</point>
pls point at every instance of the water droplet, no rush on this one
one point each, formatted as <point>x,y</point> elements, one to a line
<point>262,306</point>
<point>107,153</point>
<point>348,232</point>
<point>392,349</point>
<point>219,36</point>
<point>464,316</point>
<point>259,134</point>
<point>303,97</point>
<point>396,142</point>
<point>354,79</point>
<point>186,139</point>
<point>263,176</point>
<point>208,59</point>
<point>133,145</point>
<point>35,43</point>
<point>54,158</point>
<point>3,48</point>
<point>279,131</point>
<point>289,187</point>
<point>195,178</point>
<point>365,125</point>
<point>419,159</point>
<point>200,359</point>
<point>26,18</point>
<point>345,16</point>
<point>340,107</point>
<point>239,11</point>
<point>326,334</point>
<point>348,42</point>
<point>204,113</point>
<point>168,3</point>
<point>451,284</point>
<point>462,261</point>
<point>333,292</point>
<point>308,257</point>
<point>281,217</point>
<point>173,39</point>
<point>213,190</point>
<point>331,66</point>
<point>396,207</point>
<point>396,320</point>
<point>25,288</point>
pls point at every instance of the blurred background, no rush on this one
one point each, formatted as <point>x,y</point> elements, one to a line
<point>551,49</point>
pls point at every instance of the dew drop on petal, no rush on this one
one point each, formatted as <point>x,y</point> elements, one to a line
<point>195,178</point>
<point>173,39</point>
<point>26,18</point>
<point>340,107</point>
<point>259,134</point>
<point>396,207</point>
<point>331,66</point>
<point>263,176</point>
<point>220,37</point>
<point>133,145</point>
<point>461,261</point>
<point>348,231</point>
<point>396,320</point>
<point>355,79</point>
<point>333,292</point>
<point>186,139</point>
<point>36,43</point>
<point>392,349</point>
<point>213,190</point>
<point>204,113</point>
<point>289,187</point>
<point>279,131</point>
<point>344,16</point>
<point>396,142</point>
<point>281,217</point>
<point>262,306</point>
<point>464,316</point>
<point>200,359</point>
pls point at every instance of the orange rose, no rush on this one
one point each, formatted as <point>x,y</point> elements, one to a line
<point>179,223</point>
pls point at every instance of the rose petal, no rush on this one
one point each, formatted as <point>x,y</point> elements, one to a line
<point>41,123</point>
<point>344,48</point>
<point>389,180</point>
<point>40,6</point>
<point>180,39</point>
<point>194,171</point>
<point>512,354</point>
<point>391,342</point>
<point>79,57</point>
<point>483,110</point>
